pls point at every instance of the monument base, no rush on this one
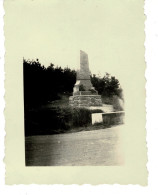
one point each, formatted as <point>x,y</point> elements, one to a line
<point>85,100</point>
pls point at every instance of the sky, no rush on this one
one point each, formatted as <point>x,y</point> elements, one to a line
<point>55,32</point>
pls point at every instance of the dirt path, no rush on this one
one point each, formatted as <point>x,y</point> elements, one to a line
<point>97,147</point>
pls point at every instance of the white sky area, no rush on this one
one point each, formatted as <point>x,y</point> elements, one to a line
<point>56,32</point>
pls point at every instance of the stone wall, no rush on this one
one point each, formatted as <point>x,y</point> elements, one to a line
<point>113,118</point>
<point>85,93</point>
<point>85,100</point>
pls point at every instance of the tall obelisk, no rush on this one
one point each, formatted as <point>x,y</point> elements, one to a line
<point>83,75</point>
<point>85,95</point>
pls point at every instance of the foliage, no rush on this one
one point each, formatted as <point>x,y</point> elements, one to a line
<point>56,120</point>
<point>55,84</point>
<point>42,85</point>
<point>107,86</point>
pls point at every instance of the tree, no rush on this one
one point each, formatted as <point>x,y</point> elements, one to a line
<point>47,84</point>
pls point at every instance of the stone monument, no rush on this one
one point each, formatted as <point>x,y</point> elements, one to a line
<point>84,94</point>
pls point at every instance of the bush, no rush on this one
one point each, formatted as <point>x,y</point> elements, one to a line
<point>56,120</point>
<point>81,117</point>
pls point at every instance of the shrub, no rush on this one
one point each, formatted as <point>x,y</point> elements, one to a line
<point>56,120</point>
<point>81,117</point>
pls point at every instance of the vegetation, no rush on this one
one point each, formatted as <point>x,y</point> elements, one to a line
<point>42,85</point>
<point>56,120</point>
<point>46,93</point>
<point>108,86</point>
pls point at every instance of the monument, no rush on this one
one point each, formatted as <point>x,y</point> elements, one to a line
<point>84,94</point>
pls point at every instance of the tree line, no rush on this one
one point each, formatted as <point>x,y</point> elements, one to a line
<point>43,84</point>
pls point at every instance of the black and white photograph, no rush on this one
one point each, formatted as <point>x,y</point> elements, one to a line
<point>75,92</point>
<point>71,116</point>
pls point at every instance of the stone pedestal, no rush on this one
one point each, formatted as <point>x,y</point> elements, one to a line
<point>85,100</point>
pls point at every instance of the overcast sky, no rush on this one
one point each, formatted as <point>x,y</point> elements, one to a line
<point>56,31</point>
